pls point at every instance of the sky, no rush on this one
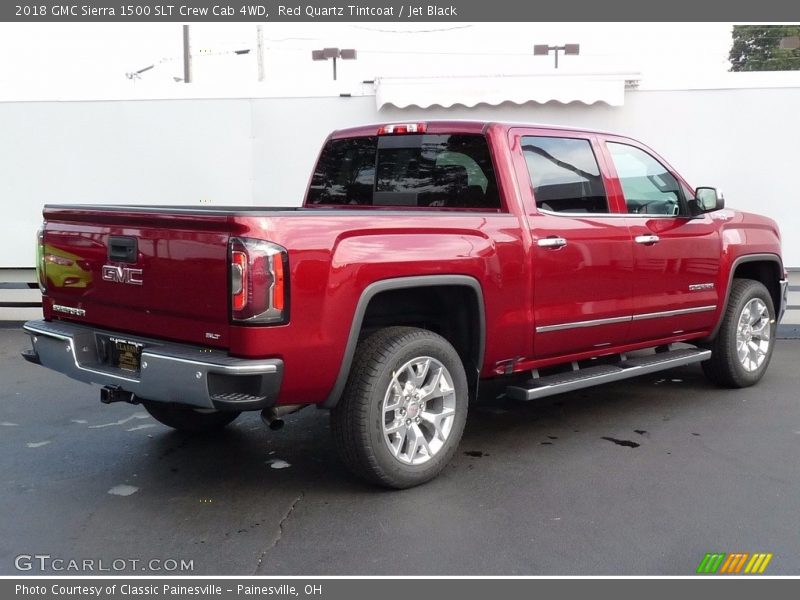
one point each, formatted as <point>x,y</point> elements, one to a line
<point>46,59</point>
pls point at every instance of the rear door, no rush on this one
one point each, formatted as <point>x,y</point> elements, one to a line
<point>581,259</point>
<point>676,255</point>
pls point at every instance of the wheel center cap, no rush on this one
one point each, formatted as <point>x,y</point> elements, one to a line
<point>412,410</point>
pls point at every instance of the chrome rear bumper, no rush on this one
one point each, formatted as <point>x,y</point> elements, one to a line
<point>177,373</point>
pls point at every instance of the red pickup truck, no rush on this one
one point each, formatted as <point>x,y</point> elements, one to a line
<point>426,257</point>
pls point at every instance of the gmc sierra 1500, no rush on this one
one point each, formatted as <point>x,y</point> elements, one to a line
<point>426,257</point>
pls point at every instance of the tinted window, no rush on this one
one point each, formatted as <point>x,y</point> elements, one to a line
<point>406,170</point>
<point>345,172</point>
<point>565,175</point>
<point>646,184</point>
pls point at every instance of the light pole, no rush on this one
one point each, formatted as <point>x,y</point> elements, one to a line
<point>567,49</point>
<point>260,51</point>
<point>187,56</point>
<point>334,53</point>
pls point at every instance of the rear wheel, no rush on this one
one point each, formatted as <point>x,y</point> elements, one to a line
<point>743,347</point>
<point>186,418</point>
<point>403,409</point>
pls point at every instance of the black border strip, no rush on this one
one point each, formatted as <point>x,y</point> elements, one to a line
<point>20,305</point>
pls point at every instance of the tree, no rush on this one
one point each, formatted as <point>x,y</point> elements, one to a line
<point>757,48</point>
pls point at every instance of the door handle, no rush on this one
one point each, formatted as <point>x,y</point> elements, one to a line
<point>551,242</point>
<point>647,240</point>
<point>122,249</point>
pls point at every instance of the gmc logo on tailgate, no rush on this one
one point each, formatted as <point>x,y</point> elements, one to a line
<point>122,275</point>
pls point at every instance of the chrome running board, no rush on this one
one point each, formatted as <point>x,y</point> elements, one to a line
<point>591,376</point>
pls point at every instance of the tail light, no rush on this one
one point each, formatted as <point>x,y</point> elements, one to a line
<point>41,276</point>
<point>259,282</point>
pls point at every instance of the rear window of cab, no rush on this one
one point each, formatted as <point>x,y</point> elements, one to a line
<point>427,171</point>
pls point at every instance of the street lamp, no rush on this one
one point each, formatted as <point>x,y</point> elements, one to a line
<point>187,60</point>
<point>567,49</point>
<point>187,64</point>
<point>133,75</point>
<point>334,53</point>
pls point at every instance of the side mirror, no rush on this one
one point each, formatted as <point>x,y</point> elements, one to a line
<point>709,198</point>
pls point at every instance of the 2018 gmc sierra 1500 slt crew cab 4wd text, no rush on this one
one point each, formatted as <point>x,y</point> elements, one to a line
<point>426,257</point>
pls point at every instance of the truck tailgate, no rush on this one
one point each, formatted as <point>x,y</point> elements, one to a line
<point>156,272</point>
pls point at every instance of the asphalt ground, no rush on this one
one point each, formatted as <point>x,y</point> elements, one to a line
<point>640,477</point>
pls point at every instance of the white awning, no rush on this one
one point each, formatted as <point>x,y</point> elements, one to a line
<point>493,90</point>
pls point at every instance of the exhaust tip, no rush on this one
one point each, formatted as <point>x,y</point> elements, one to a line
<point>31,357</point>
<point>271,420</point>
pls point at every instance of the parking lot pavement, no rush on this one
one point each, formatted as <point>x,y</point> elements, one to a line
<point>639,477</point>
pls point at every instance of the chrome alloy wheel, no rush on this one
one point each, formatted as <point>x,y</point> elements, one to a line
<point>419,408</point>
<point>753,335</point>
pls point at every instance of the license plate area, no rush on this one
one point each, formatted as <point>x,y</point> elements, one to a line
<point>121,353</point>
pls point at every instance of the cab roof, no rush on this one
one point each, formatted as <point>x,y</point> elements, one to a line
<point>453,126</point>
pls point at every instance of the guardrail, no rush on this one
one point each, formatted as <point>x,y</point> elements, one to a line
<point>790,327</point>
<point>20,298</point>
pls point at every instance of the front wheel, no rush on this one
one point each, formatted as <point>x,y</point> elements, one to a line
<point>403,409</point>
<point>743,347</point>
<point>186,418</point>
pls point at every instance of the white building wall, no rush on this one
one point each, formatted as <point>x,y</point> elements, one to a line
<point>260,151</point>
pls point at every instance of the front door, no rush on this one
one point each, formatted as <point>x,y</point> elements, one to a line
<point>676,255</point>
<point>582,260</point>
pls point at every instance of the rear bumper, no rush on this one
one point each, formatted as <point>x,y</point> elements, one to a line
<point>176,373</point>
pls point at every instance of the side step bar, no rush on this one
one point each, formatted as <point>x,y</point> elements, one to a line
<point>590,376</point>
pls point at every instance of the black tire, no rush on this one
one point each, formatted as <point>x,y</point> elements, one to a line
<point>724,368</point>
<point>357,421</point>
<point>188,419</point>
